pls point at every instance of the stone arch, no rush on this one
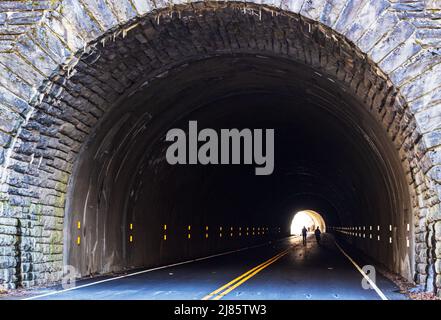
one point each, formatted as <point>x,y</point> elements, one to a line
<point>45,56</point>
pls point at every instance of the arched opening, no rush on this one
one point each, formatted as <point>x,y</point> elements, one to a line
<point>103,198</point>
<point>309,219</point>
<point>331,152</point>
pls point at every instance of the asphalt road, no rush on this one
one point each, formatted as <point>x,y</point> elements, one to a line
<point>281,270</point>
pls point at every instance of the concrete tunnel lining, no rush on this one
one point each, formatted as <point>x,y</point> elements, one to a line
<point>211,103</point>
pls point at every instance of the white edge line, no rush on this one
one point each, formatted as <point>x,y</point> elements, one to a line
<point>149,270</point>
<point>379,292</point>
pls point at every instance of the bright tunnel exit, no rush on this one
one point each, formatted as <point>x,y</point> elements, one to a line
<point>309,219</point>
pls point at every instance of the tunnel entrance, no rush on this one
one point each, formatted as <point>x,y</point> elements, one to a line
<point>309,219</point>
<point>88,164</point>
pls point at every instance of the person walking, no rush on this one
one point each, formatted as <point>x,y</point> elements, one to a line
<point>304,233</point>
<point>317,233</point>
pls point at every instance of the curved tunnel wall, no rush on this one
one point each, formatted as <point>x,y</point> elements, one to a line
<point>156,46</point>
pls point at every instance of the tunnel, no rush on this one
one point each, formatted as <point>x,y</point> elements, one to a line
<point>349,91</point>
<point>128,208</point>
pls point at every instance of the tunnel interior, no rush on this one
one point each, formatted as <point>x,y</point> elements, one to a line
<point>127,207</point>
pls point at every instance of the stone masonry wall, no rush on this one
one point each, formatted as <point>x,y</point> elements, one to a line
<point>41,43</point>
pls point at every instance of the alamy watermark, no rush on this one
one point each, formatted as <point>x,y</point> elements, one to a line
<point>370,273</point>
<point>209,147</point>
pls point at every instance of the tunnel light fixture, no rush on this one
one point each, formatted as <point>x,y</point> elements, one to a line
<point>390,227</point>
<point>247,233</point>
<point>165,227</point>
<point>364,228</point>
<point>231,234</point>
<point>390,239</point>
<point>189,236</point>
<point>253,233</point>
<point>206,228</point>
<point>131,238</point>
<point>79,225</point>
<point>248,228</point>
<point>240,234</point>
<point>364,235</point>
<point>165,237</point>
<point>408,227</point>
<point>231,228</point>
<point>370,236</point>
<point>407,242</point>
<point>220,228</point>
<point>378,238</point>
<point>370,228</point>
<point>206,235</point>
<point>220,235</point>
<point>378,228</point>
<point>78,240</point>
<point>189,228</point>
<point>131,226</point>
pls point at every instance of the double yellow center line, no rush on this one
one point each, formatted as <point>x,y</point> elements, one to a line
<point>233,284</point>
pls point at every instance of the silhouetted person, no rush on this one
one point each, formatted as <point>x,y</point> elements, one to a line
<point>304,232</point>
<point>317,233</point>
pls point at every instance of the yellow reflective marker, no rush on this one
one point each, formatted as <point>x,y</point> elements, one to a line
<point>78,240</point>
<point>79,225</point>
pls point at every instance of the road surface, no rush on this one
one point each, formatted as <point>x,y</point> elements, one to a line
<point>280,270</point>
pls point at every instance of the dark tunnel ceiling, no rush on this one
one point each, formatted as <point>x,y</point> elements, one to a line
<point>330,154</point>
